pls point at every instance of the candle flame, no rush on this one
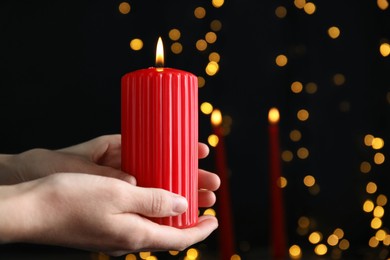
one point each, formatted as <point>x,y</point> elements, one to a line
<point>273,115</point>
<point>216,117</point>
<point>159,53</point>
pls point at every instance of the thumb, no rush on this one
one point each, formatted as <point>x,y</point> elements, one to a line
<point>152,202</point>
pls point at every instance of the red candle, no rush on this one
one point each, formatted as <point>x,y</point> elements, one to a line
<point>159,121</point>
<point>278,235</point>
<point>226,234</point>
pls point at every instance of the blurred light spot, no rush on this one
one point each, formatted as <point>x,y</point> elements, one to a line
<point>309,180</point>
<point>386,241</point>
<point>379,212</point>
<point>384,49</point>
<point>281,182</point>
<point>144,255</point>
<point>344,244</point>
<point>174,252</point>
<point>373,242</point>
<point>339,233</point>
<point>332,240</point>
<point>201,45</point>
<point>376,223</point>
<point>311,88</point>
<point>124,8</point>
<point>300,3</point>
<point>213,140</point>
<point>296,87</point>
<point>280,12</point>
<point>217,3</point>
<point>216,25</point>
<point>365,167</point>
<point>304,222</point>
<point>334,32</point>
<point>309,8</point>
<point>131,257</point>
<point>371,187</point>
<point>192,253</point>
<point>235,257</point>
<point>295,252</point>
<point>210,212</point>
<point>382,4</point>
<point>287,156</point>
<point>281,60</point>
<point>321,249</point>
<point>368,139</point>
<point>303,153</point>
<point>176,48</point>
<point>315,237</point>
<point>338,79</point>
<point>200,12</point>
<point>136,44</point>
<point>295,135</point>
<point>368,206</point>
<point>174,34</point>
<point>303,115</point>
<point>211,37</point>
<point>206,108</point>
<point>381,200</point>
<point>201,82</point>
<point>212,68</point>
<point>379,158</point>
<point>152,257</point>
<point>315,189</point>
<point>214,56</point>
<point>377,143</point>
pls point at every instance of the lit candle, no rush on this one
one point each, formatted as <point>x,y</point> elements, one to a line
<point>226,234</point>
<point>159,113</point>
<point>278,235</point>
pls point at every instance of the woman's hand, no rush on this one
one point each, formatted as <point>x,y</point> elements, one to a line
<point>97,213</point>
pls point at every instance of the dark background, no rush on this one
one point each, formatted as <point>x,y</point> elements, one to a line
<point>60,69</point>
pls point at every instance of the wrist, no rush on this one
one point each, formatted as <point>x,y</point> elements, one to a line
<point>8,172</point>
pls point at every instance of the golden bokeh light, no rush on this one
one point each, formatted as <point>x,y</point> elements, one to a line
<point>309,180</point>
<point>384,49</point>
<point>151,257</point>
<point>304,222</point>
<point>174,34</point>
<point>174,252</point>
<point>300,3</point>
<point>200,12</point>
<point>368,139</point>
<point>386,241</point>
<point>376,223</point>
<point>296,87</point>
<point>380,235</point>
<point>365,167</point>
<point>131,257</point>
<point>124,8</point>
<point>210,212</point>
<point>206,108</point>
<point>281,182</point>
<point>281,12</point>
<point>144,255</point>
<point>303,115</point>
<point>192,253</point>
<point>339,233</point>
<point>310,8</point>
<point>379,158</point>
<point>295,135</point>
<point>368,206</point>
<point>377,143</point>
<point>338,79</point>
<point>334,32</point>
<point>315,237</point>
<point>287,156</point>
<point>177,48</point>
<point>295,252</point>
<point>281,60</point>
<point>303,153</point>
<point>213,140</point>
<point>216,25</point>
<point>201,45</point>
<point>214,56</point>
<point>382,4</point>
<point>235,257</point>
<point>381,200</point>
<point>311,88</point>
<point>379,212</point>
<point>344,244</point>
<point>321,249</point>
<point>373,242</point>
<point>201,82</point>
<point>212,68</point>
<point>371,187</point>
<point>211,37</point>
<point>136,44</point>
<point>217,3</point>
<point>332,240</point>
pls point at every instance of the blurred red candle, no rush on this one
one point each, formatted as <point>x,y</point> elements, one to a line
<point>226,234</point>
<point>278,235</point>
<point>159,124</point>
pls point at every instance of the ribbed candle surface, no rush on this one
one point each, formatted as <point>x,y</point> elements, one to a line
<point>159,113</point>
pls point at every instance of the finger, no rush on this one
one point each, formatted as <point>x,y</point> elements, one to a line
<point>168,238</point>
<point>203,150</point>
<point>154,202</point>
<point>208,180</point>
<point>113,173</point>
<point>206,198</point>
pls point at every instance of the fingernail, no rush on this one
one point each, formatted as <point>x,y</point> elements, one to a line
<point>180,204</point>
<point>133,180</point>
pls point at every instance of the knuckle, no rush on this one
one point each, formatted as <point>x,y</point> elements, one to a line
<point>157,203</point>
